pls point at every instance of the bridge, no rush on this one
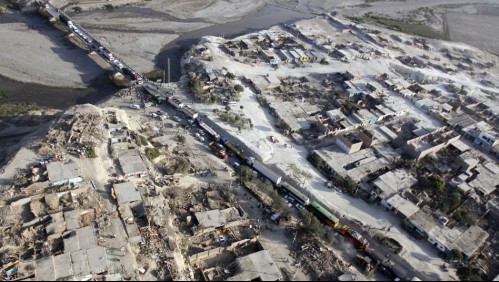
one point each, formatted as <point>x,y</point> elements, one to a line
<point>119,65</point>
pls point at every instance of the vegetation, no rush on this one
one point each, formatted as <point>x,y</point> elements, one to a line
<point>309,224</point>
<point>181,139</point>
<point>181,165</point>
<point>152,153</point>
<point>109,7</point>
<point>469,274</point>
<point>15,108</point>
<point>457,255</point>
<point>142,140</point>
<point>241,107</point>
<point>436,183</point>
<point>155,74</point>
<point>234,119</point>
<point>283,125</point>
<point>245,174</point>
<point>323,61</point>
<point>230,75</point>
<point>238,88</point>
<point>197,86</point>
<point>210,58</point>
<point>400,25</point>
<point>227,108</point>
<point>3,94</point>
<point>91,153</point>
<point>77,9</point>
<point>463,217</point>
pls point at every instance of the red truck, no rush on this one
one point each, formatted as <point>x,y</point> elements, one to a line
<point>354,236</point>
<point>219,150</point>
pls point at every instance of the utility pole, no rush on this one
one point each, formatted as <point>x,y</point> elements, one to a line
<point>168,70</point>
<point>164,76</point>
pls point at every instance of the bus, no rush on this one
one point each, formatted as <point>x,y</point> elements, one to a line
<point>323,215</point>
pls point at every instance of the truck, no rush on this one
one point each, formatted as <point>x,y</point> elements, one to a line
<point>218,149</point>
<point>272,176</point>
<point>233,148</point>
<point>365,262</point>
<point>64,19</point>
<point>207,128</point>
<point>354,236</point>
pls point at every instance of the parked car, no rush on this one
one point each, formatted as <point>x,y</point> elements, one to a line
<point>274,139</point>
<point>236,164</point>
<point>199,137</point>
<point>134,106</point>
<point>176,118</point>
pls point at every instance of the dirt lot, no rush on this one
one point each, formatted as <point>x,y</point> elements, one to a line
<point>477,30</point>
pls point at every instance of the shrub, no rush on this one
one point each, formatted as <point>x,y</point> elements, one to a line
<point>238,88</point>
<point>230,75</point>
<point>181,139</point>
<point>324,61</point>
<point>437,183</point>
<point>92,153</point>
<point>77,9</point>
<point>152,153</point>
<point>142,140</point>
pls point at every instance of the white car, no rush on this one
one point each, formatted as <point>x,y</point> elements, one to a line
<point>134,106</point>
<point>201,138</point>
<point>176,118</point>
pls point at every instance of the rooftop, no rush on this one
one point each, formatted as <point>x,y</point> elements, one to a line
<point>471,240</point>
<point>258,266</point>
<point>217,218</point>
<point>403,206</point>
<point>58,171</point>
<point>131,162</point>
<point>394,181</point>
<point>486,181</point>
<point>126,193</point>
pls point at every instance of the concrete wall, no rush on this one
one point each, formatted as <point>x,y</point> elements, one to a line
<point>216,251</point>
<point>348,147</point>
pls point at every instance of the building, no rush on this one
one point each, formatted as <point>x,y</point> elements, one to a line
<point>350,143</point>
<point>431,142</point>
<point>334,161</point>
<point>257,266</point>
<point>365,117</point>
<point>297,115</point>
<point>302,57</point>
<point>212,220</point>
<point>63,173</point>
<point>126,193</point>
<point>470,241</point>
<point>401,206</point>
<point>486,181</point>
<point>466,162</point>
<point>391,183</point>
<point>131,163</point>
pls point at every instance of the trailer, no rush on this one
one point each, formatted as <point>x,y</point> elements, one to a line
<point>64,19</point>
<point>274,177</point>
<point>218,149</point>
<point>304,200</point>
<point>354,236</point>
<point>207,128</point>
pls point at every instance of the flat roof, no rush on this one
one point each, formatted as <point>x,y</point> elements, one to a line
<point>460,145</point>
<point>486,180</point>
<point>471,240</point>
<point>58,171</point>
<point>403,206</point>
<point>217,218</point>
<point>131,162</point>
<point>257,266</point>
<point>126,193</point>
<point>394,181</point>
<point>81,239</point>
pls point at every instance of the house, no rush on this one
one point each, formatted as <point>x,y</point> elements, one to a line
<point>257,266</point>
<point>401,206</point>
<point>350,143</point>
<point>431,142</point>
<point>486,181</point>
<point>212,220</point>
<point>131,163</point>
<point>63,173</point>
<point>391,183</point>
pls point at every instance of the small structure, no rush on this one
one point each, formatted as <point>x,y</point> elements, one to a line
<point>350,143</point>
<point>486,181</point>
<point>432,142</point>
<point>470,241</point>
<point>401,206</point>
<point>131,163</point>
<point>258,266</point>
<point>62,174</point>
<point>391,183</point>
<point>212,220</point>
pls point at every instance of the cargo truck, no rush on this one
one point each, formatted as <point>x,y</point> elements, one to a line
<point>354,236</point>
<point>274,177</point>
<point>218,149</point>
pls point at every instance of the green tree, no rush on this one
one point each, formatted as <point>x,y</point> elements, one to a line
<point>77,9</point>
<point>437,183</point>
<point>181,165</point>
<point>245,174</point>
<point>230,75</point>
<point>238,88</point>
<point>310,224</point>
<point>152,153</point>
<point>227,108</point>
<point>197,86</point>
<point>92,153</point>
<point>181,139</point>
<point>241,107</point>
<point>457,255</point>
<point>324,61</point>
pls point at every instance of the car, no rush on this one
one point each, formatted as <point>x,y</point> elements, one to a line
<point>236,164</point>
<point>299,207</point>
<point>191,122</point>
<point>200,131</point>
<point>199,137</point>
<point>274,139</point>
<point>176,118</point>
<point>134,106</point>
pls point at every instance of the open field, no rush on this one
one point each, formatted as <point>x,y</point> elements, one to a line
<point>477,30</point>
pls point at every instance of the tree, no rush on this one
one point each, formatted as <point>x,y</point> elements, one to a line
<point>241,107</point>
<point>457,255</point>
<point>310,224</point>
<point>245,174</point>
<point>77,9</point>
<point>227,108</point>
<point>152,153</point>
<point>238,88</point>
<point>181,165</point>
<point>324,61</point>
<point>230,75</point>
<point>181,139</point>
<point>92,153</point>
<point>437,183</point>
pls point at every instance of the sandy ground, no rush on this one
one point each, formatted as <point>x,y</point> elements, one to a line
<point>62,64</point>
